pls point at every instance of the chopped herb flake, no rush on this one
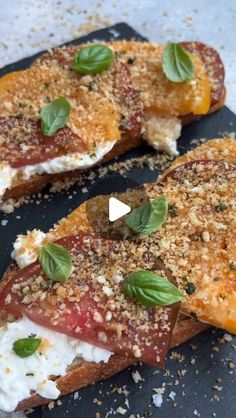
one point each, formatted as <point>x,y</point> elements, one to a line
<point>220,207</point>
<point>232,265</point>
<point>172,211</point>
<point>190,289</point>
<point>130,61</point>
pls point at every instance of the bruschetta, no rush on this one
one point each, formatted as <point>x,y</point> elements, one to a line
<point>66,324</point>
<point>59,118</point>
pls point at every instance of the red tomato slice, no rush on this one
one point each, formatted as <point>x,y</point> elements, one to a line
<point>23,143</point>
<point>91,305</point>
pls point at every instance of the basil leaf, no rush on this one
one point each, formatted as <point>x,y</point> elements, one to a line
<point>150,289</point>
<point>177,64</point>
<point>54,116</point>
<point>25,347</point>
<point>55,261</point>
<point>148,217</point>
<point>93,59</point>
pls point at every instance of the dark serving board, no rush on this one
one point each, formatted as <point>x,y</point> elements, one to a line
<point>192,377</point>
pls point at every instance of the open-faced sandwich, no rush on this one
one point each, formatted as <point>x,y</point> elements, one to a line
<point>79,106</point>
<point>77,307</point>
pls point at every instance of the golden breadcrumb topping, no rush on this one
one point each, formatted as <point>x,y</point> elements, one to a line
<point>158,94</point>
<point>99,270</point>
<point>93,117</point>
<point>197,242</point>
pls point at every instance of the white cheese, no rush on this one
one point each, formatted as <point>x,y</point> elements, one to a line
<point>71,161</point>
<point>20,376</point>
<point>68,162</point>
<point>26,247</point>
<point>162,132</point>
<point>7,174</point>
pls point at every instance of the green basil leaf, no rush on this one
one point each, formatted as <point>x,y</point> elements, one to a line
<point>177,64</point>
<point>148,217</point>
<point>93,59</point>
<point>25,347</point>
<point>150,289</point>
<point>55,261</point>
<point>54,116</point>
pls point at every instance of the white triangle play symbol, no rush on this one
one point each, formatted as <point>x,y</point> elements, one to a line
<point>117,209</point>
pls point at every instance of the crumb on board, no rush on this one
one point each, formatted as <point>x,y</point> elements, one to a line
<point>157,400</point>
<point>159,161</point>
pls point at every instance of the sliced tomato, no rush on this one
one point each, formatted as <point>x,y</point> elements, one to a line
<point>23,142</point>
<point>91,305</point>
<point>214,67</point>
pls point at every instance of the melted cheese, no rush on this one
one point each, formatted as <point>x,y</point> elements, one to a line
<point>20,376</point>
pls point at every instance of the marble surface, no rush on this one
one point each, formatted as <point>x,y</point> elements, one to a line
<point>28,26</point>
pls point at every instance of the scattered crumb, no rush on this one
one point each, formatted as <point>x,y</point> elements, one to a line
<point>172,395</point>
<point>231,364</point>
<point>227,337</point>
<point>137,376</point>
<point>121,410</point>
<point>76,396</point>
<point>157,400</point>
<point>51,405</point>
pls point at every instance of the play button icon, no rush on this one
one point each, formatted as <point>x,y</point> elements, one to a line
<point>109,201</point>
<point>117,209</point>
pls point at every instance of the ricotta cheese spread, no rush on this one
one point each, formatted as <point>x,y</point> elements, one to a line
<point>71,161</point>
<point>26,247</point>
<point>19,377</point>
<point>162,132</point>
<point>7,175</point>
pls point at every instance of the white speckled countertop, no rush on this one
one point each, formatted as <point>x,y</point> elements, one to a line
<point>28,26</point>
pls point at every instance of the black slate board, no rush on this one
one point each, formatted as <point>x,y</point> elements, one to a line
<point>192,376</point>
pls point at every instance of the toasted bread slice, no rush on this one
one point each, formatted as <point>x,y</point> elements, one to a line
<point>83,373</point>
<point>130,107</point>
